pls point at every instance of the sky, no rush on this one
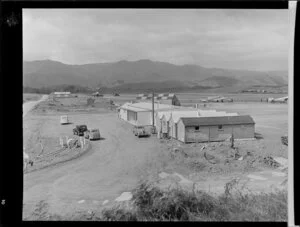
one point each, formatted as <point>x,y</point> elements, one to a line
<point>249,39</point>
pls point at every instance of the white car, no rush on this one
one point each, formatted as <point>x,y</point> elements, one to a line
<point>64,120</point>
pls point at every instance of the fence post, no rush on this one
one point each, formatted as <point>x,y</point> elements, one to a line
<point>81,142</point>
<point>61,142</point>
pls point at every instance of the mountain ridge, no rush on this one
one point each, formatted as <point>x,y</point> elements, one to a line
<point>43,73</point>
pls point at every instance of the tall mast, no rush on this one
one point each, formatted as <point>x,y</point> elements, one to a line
<point>153,109</point>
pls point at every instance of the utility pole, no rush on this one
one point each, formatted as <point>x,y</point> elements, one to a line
<point>152,111</point>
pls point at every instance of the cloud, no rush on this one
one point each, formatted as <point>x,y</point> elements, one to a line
<point>239,39</point>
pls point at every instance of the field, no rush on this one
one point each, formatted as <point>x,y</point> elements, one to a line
<point>31,97</point>
<point>193,98</point>
<point>80,181</point>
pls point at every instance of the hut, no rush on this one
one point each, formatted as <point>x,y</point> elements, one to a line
<point>218,128</point>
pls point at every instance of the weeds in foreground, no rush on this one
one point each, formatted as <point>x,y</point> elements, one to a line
<point>153,204</point>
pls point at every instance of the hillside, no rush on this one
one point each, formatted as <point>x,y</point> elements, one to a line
<point>144,74</point>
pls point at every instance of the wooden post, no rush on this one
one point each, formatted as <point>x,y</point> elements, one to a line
<point>61,142</point>
<point>152,111</point>
<point>81,142</point>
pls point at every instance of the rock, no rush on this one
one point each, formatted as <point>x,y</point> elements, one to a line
<point>208,156</point>
<point>282,161</point>
<point>163,175</point>
<point>255,177</point>
<point>125,196</point>
<point>270,161</point>
<point>241,158</point>
<point>105,202</point>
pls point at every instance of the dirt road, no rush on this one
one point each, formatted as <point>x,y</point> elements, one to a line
<point>112,166</point>
<point>27,106</point>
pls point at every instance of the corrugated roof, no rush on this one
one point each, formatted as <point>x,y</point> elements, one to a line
<point>177,115</point>
<point>129,106</point>
<point>227,120</point>
<point>168,112</point>
<point>145,106</point>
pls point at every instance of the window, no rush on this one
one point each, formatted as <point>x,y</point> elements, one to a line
<point>196,128</point>
<point>220,127</point>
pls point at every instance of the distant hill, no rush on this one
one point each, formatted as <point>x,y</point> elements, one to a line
<point>144,74</point>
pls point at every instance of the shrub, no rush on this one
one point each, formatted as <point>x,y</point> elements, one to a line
<point>154,204</point>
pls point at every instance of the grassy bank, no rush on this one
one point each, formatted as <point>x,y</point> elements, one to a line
<point>153,204</point>
<point>31,97</point>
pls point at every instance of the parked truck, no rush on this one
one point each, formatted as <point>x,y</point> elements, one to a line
<point>64,120</point>
<point>140,131</point>
<point>93,134</point>
<point>79,130</point>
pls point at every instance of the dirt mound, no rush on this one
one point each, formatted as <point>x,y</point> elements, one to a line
<point>270,162</point>
<point>80,104</point>
<point>218,157</point>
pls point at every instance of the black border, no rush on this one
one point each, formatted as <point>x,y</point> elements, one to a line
<point>11,60</point>
<point>296,72</point>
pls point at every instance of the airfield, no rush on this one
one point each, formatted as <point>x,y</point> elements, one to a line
<point>72,183</point>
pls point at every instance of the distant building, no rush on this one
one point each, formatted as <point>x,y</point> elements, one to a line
<point>207,129</point>
<point>140,113</point>
<point>61,94</point>
<point>166,98</point>
<point>281,100</point>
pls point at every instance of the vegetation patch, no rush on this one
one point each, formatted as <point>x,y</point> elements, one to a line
<point>154,204</point>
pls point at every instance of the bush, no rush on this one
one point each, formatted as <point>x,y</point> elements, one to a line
<point>117,214</point>
<point>153,204</point>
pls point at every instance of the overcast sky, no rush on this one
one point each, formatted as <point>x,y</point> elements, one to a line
<point>236,39</point>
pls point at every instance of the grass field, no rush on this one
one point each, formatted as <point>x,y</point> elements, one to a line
<point>27,97</point>
<point>193,98</point>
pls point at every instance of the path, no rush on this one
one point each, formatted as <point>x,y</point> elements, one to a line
<point>27,106</point>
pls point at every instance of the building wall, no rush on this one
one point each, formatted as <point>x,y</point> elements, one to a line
<point>180,131</point>
<point>164,125</point>
<point>158,124</point>
<point>175,101</point>
<point>172,131</point>
<point>144,118</point>
<point>123,114</point>
<point>194,135</point>
<point>220,134</point>
<point>212,133</point>
<point>132,117</point>
<point>244,131</point>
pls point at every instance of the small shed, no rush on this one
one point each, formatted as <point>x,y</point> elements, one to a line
<point>206,129</point>
<point>160,120</point>
<point>175,117</point>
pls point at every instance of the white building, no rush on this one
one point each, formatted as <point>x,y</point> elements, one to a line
<point>62,94</point>
<point>166,117</point>
<point>140,113</point>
